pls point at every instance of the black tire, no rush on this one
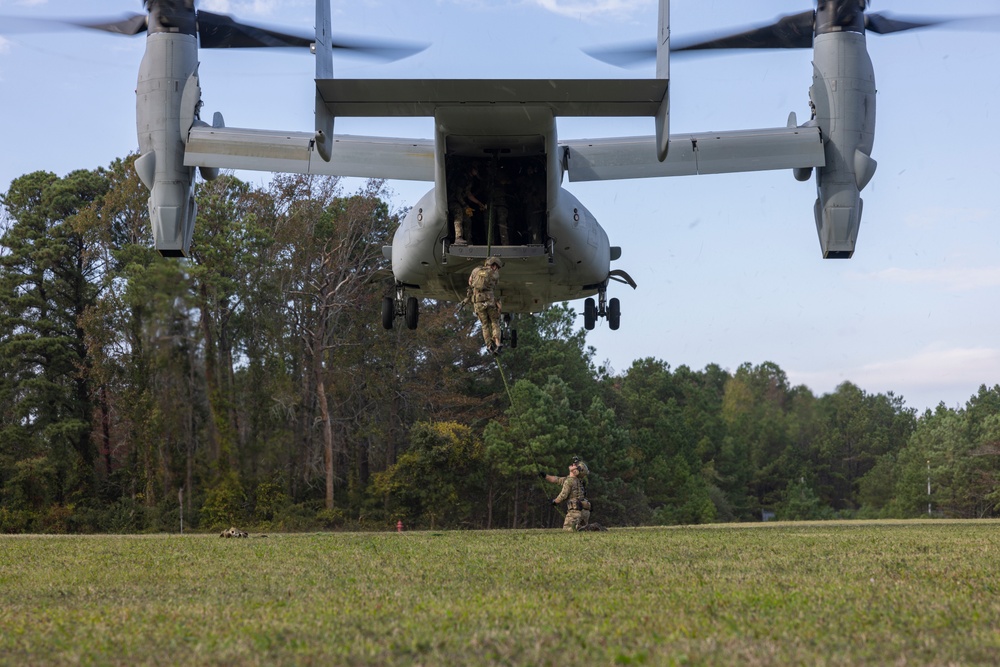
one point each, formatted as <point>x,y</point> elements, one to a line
<point>513,338</point>
<point>412,312</point>
<point>589,314</point>
<point>388,312</point>
<point>614,314</point>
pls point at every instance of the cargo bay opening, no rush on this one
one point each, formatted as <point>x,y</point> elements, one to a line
<point>507,175</point>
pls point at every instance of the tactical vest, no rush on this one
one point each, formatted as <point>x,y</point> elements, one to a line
<point>482,283</point>
<point>481,279</point>
<point>576,498</point>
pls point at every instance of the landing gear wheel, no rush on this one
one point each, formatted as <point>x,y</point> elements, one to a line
<point>513,338</point>
<point>412,312</point>
<point>388,312</point>
<point>614,314</point>
<point>589,314</point>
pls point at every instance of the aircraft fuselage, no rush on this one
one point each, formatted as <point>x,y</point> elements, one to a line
<point>553,247</point>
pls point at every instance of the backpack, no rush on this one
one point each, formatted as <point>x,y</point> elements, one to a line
<point>480,279</point>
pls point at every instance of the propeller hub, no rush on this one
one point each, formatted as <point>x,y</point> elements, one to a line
<point>172,16</point>
<point>840,16</point>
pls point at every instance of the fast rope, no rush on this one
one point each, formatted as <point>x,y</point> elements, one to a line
<point>489,252</point>
<point>489,212</point>
<point>504,378</point>
<point>510,397</point>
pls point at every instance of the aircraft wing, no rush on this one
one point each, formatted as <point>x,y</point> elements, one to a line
<point>689,154</point>
<point>585,159</point>
<point>294,153</point>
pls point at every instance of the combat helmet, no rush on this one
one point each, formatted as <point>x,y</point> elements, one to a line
<point>494,260</point>
<point>581,466</point>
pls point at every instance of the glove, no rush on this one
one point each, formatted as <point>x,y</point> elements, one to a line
<point>542,475</point>
<point>554,503</point>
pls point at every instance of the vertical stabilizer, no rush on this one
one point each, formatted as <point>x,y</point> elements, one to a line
<point>663,72</point>
<point>324,70</point>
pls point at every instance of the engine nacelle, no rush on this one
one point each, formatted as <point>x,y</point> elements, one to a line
<point>843,100</point>
<point>167,72</point>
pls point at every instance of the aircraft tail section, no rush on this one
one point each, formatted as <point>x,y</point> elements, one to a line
<point>424,97</point>
<point>324,70</point>
<point>662,117</point>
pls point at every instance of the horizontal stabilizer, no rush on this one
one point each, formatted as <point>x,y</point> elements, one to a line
<point>422,97</point>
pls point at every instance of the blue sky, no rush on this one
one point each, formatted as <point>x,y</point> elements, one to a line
<point>728,266</point>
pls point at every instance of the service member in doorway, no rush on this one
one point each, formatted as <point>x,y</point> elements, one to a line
<point>462,197</point>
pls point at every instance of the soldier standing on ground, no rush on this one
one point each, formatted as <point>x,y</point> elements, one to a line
<point>482,282</point>
<point>574,491</point>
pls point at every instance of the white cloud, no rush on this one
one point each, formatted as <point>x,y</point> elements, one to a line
<point>935,373</point>
<point>269,8</point>
<point>586,9</point>
<point>936,365</point>
<point>956,280</point>
<point>935,216</point>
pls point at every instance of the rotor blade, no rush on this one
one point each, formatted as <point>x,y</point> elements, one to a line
<point>794,31</point>
<point>625,55</point>
<point>218,31</point>
<point>380,49</point>
<point>128,24</point>
<point>883,24</point>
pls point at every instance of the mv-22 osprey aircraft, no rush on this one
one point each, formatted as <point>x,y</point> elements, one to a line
<point>506,130</point>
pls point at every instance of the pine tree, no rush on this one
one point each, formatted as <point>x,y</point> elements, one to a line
<point>47,282</point>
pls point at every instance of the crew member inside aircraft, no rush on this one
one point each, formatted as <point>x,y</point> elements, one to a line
<point>501,200</point>
<point>534,198</point>
<point>481,285</point>
<point>461,197</point>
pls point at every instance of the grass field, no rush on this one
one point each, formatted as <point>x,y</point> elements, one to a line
<point>858,593</point>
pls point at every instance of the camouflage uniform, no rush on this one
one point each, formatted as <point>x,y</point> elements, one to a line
<point>482,283</point>
<point>535,205</point>
<point>575,493</point>
<point>501,209</point>
<point>461,196</point>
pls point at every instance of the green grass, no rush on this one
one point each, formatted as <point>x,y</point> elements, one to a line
<point>913,593</point>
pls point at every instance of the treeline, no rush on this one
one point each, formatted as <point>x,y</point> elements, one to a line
<point>253,385</point>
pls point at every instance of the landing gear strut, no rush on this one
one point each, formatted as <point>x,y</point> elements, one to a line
<point>604,307</point>
<point>610,309</point>
<point>402,306</point>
